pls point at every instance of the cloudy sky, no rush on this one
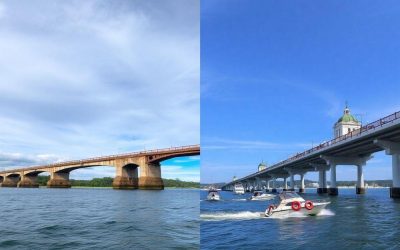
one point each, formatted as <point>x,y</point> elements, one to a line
<point>81,79</point>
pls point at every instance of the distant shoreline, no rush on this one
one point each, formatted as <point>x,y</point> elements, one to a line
<point>194,188</point>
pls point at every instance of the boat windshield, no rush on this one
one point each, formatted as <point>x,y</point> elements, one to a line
<point>288,195</point>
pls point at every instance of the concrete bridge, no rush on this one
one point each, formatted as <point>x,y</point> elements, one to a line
<point>354,148</point>
<point>126,166</point>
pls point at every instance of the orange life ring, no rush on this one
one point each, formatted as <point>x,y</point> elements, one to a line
<point>309,205</point>
<point>296,205</point>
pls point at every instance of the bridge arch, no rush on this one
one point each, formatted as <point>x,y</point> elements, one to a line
<point>11,179</point>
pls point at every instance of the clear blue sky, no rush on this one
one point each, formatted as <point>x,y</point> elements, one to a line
<point>275,76</point>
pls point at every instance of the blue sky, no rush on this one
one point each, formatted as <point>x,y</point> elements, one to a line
<point>81,79</point>
<point>275,76</point>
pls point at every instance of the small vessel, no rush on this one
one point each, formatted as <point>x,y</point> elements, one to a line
<point>213,195</point>
<point>261,196</point>
<point>291,202</point>
<point>238,188</point>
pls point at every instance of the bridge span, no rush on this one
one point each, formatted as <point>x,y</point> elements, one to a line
<point>354,148</point>
<point>126,166</point>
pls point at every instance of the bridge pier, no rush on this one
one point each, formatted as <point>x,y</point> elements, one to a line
<point>273,185</point>
<point>360,188</point>
<point>267,189</point>
<point>333,190</point>
<point>359,161</point>
<point>322,185</point>
<point>291,181</point>
<point>393,149</point>
<point>150,177</point>
<point>302,186</point>
<point>126,177</point>
<point>59,180</point>
<point>10,181</point>
<point>28,181</point>
<point>259,183</point>
<point>285,185</point>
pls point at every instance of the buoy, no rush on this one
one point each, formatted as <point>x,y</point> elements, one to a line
<point>309,205</point>
<point>296,206</point>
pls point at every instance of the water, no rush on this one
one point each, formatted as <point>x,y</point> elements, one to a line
<point>98,219</point>
<point>370,221</point>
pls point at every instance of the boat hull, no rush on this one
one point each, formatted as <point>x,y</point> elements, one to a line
<point>262,198</point>
<point>318,207</point>
<point>213,198</point>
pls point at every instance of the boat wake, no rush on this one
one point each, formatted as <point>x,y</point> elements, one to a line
<point>326,212</point>
<point>239,199</point>
<point>246,215</point>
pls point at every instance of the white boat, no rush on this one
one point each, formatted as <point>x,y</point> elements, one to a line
<point>261,196</point>
<point>238,188</point>
<point>213,195</point>
<point>291,202</point>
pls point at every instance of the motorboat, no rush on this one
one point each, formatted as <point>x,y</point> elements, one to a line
<point>291,202</point>
<point>213,195</point>
<point>238,188</point>
<point>261,196</point>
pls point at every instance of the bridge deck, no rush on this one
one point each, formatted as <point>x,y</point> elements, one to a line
<point>356,143</point>
<point>171,150</point>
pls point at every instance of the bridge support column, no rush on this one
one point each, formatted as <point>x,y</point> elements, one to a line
<point>302,186</point>
<point>360,188</point>
<point>333,190</point>
<point>126,177</point>
<point>323,188</point>
<point>28,181</point>
<point>393,149</point>
<point>273,185</point>
<point>267,190</point>
<point>10,181</point>
<point>291,182</point>
<point>259,183</point>
<point>150,177</point>
<point>59,180</point>
<point>285,185</point>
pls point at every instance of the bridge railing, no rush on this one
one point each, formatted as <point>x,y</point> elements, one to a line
<point>105,158</point>
<point>366,128</point>
<point>370,126</point>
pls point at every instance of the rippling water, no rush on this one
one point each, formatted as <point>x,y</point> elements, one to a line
<point>370,221</point>
<point>98,219</point>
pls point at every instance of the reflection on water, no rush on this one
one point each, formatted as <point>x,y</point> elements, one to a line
<point>350,222</point>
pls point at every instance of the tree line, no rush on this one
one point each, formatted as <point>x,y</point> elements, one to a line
<point>107,182</point>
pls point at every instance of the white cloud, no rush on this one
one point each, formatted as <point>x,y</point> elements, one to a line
<point>98,78</point>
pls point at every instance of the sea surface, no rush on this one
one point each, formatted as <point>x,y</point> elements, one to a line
<point>92,218</point>
<point>370,221</point>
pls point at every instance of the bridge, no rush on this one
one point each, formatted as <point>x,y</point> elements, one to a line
<point>126,166</point>
<point>354,148</point>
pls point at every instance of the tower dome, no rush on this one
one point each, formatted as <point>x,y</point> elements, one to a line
<point>347,117</point>
<point>262,166</point>
<point>346,123</point>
